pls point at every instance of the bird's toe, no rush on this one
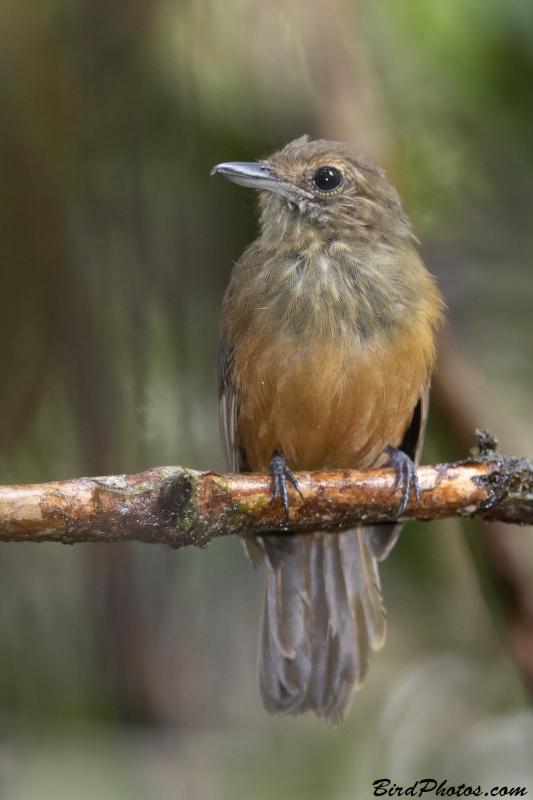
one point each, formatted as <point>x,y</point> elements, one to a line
<point>406,477</point>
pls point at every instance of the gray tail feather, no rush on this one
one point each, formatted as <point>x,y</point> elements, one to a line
<point>381,538</point>
<point>322,617</point>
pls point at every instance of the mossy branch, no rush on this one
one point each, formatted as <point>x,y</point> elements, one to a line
<point>178,506</point>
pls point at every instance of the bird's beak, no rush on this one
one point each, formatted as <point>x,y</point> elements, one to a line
<point>259,176</point>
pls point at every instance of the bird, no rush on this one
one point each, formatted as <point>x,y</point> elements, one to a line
<point>327,345</point>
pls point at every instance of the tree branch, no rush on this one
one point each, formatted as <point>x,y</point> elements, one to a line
<point>177,506</point>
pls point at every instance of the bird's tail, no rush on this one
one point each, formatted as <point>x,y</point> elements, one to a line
<point>322,617</point>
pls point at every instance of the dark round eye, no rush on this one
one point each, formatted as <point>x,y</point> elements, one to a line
<point>327,179</point>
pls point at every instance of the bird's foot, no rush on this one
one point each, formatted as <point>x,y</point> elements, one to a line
<point>281,473</point>
<point>406,477</point>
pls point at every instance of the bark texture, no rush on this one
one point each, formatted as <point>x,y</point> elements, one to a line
<point>178,506</point>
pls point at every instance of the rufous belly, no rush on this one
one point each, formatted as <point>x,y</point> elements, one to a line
<point>331,405</point>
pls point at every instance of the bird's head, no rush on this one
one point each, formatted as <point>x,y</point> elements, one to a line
<point>324,189</point>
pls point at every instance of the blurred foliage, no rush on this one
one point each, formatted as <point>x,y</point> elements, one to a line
<point>115,248</point>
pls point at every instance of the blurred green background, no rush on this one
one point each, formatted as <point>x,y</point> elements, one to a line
<point>130,671</point>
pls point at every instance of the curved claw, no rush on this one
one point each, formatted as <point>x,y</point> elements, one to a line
<point>406,476</point>
<point>280,475</point>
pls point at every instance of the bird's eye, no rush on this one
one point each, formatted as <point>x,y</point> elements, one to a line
<point>327,179</point>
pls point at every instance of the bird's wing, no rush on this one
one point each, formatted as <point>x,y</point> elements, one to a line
<point>413,439</point>
<point>234,453</point>
<point>382,538</point>
<point>228,406</point>
<point>228,398</point>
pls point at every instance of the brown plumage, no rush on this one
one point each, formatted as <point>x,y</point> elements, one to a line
<point>325,359</point>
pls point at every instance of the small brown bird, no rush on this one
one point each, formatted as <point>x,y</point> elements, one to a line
<point>326,352</point>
